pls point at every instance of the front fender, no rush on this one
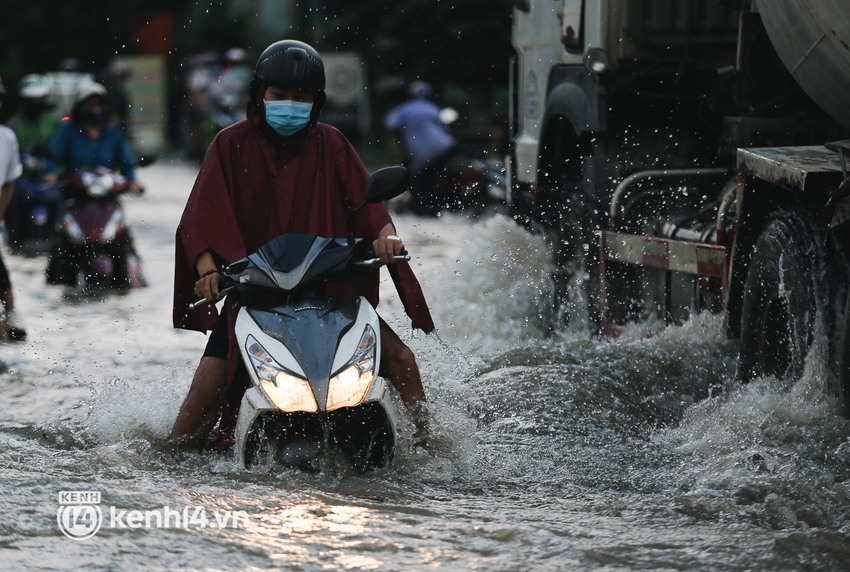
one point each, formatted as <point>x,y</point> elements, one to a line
<point>576,95</point>
<point>569,101</point>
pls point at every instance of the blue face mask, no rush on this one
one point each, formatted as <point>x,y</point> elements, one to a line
<point>288,117</point>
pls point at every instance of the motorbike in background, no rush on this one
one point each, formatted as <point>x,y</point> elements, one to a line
<point>31,216</point>
<point>93,249</point>
<point>225,110</point>
<point>467,184</point>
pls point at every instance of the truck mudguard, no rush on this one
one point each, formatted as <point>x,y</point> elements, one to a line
<point>574,94</point>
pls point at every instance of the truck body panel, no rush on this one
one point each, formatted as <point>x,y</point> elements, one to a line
<point>812,37</point>
<point>811,168</point>
<point>675,155</point>
<point>536,38</point>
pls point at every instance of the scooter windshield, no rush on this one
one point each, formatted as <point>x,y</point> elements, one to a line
<point>293,260</point>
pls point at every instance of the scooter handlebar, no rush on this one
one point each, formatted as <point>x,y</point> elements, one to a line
<point>376,262</point>
<point>203,301</point>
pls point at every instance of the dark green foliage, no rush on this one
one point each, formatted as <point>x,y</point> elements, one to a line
<point>211,25</point>
<point>460,46</point>
<point>35,35</point>
<point>462,43</point>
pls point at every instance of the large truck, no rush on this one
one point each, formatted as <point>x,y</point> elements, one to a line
<point>691,155</point>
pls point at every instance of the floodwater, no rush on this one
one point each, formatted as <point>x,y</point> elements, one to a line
<point>548,453</point>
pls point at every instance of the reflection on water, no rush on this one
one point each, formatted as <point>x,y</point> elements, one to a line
<point>548,453</point>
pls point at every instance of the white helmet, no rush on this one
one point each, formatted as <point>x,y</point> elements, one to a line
<point>235,56</point>
<point>90,90</point>
<point>34,86</point>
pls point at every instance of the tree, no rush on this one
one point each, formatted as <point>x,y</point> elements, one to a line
<point>463,43</point>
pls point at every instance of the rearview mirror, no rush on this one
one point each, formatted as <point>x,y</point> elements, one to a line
<point>387,183</point>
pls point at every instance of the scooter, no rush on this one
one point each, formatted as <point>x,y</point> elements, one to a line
<point>93,250</point>
<point>31,216</point>
<point>468,184</point>
<point>225,110</point>
<point>312,362</point>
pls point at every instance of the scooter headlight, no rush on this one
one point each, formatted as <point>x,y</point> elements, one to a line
<point>73,230</point>
<point>349,386</point>
<point>98,184</point>
<point>112,227</point>
<point>286,390</point>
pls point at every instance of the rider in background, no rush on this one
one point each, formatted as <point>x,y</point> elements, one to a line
<point>236,74</point>
<point>88,139</point>
<point>203,73</point>
<point>229,93</point>
<point>10,169</point>
<point>426,141</point>
<point>33,124</point>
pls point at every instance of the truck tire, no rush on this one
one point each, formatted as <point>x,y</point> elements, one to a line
<point>576,252</point>
<point>782,296</point>
<point>842,387</point>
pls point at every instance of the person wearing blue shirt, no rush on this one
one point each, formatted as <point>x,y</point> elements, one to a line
<point>88,140</point>
<point>427,143</point>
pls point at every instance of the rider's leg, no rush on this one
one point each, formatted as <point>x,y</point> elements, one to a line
<point>200,410</point>
<point>399,364</point>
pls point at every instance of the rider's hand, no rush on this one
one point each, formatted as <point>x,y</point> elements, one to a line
<point>50,179</point>
<point>207,286</point>
<point>387,248</point>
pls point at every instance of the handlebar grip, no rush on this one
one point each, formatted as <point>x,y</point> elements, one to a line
<point>203,301</point>
<point>376,262</point>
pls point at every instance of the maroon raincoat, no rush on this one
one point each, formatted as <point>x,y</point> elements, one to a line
<point>253,186</point>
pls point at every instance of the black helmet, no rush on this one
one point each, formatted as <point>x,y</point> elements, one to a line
<point>292,64</point>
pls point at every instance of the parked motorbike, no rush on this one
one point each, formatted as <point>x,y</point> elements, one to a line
<point>31,216</point>
<point>225,110</point>
<point>490,180</point>
<point>93,249</point>
<point>465,183</point>
<point>313,363</point>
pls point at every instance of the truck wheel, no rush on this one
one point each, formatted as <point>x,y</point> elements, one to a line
<point>842,389</point>
<point>782,296</point>
<point>576,251</point>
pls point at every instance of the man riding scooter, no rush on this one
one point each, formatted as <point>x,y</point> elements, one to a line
<point>278,171</point>
<point>89,141</point>
<point>33,124</point>
<point>427,143</point>
<point>31,216</point>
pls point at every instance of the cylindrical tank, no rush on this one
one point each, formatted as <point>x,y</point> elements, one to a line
<point>812,37</point>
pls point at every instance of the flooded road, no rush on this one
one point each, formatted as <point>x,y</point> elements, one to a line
<point>548,453</point>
